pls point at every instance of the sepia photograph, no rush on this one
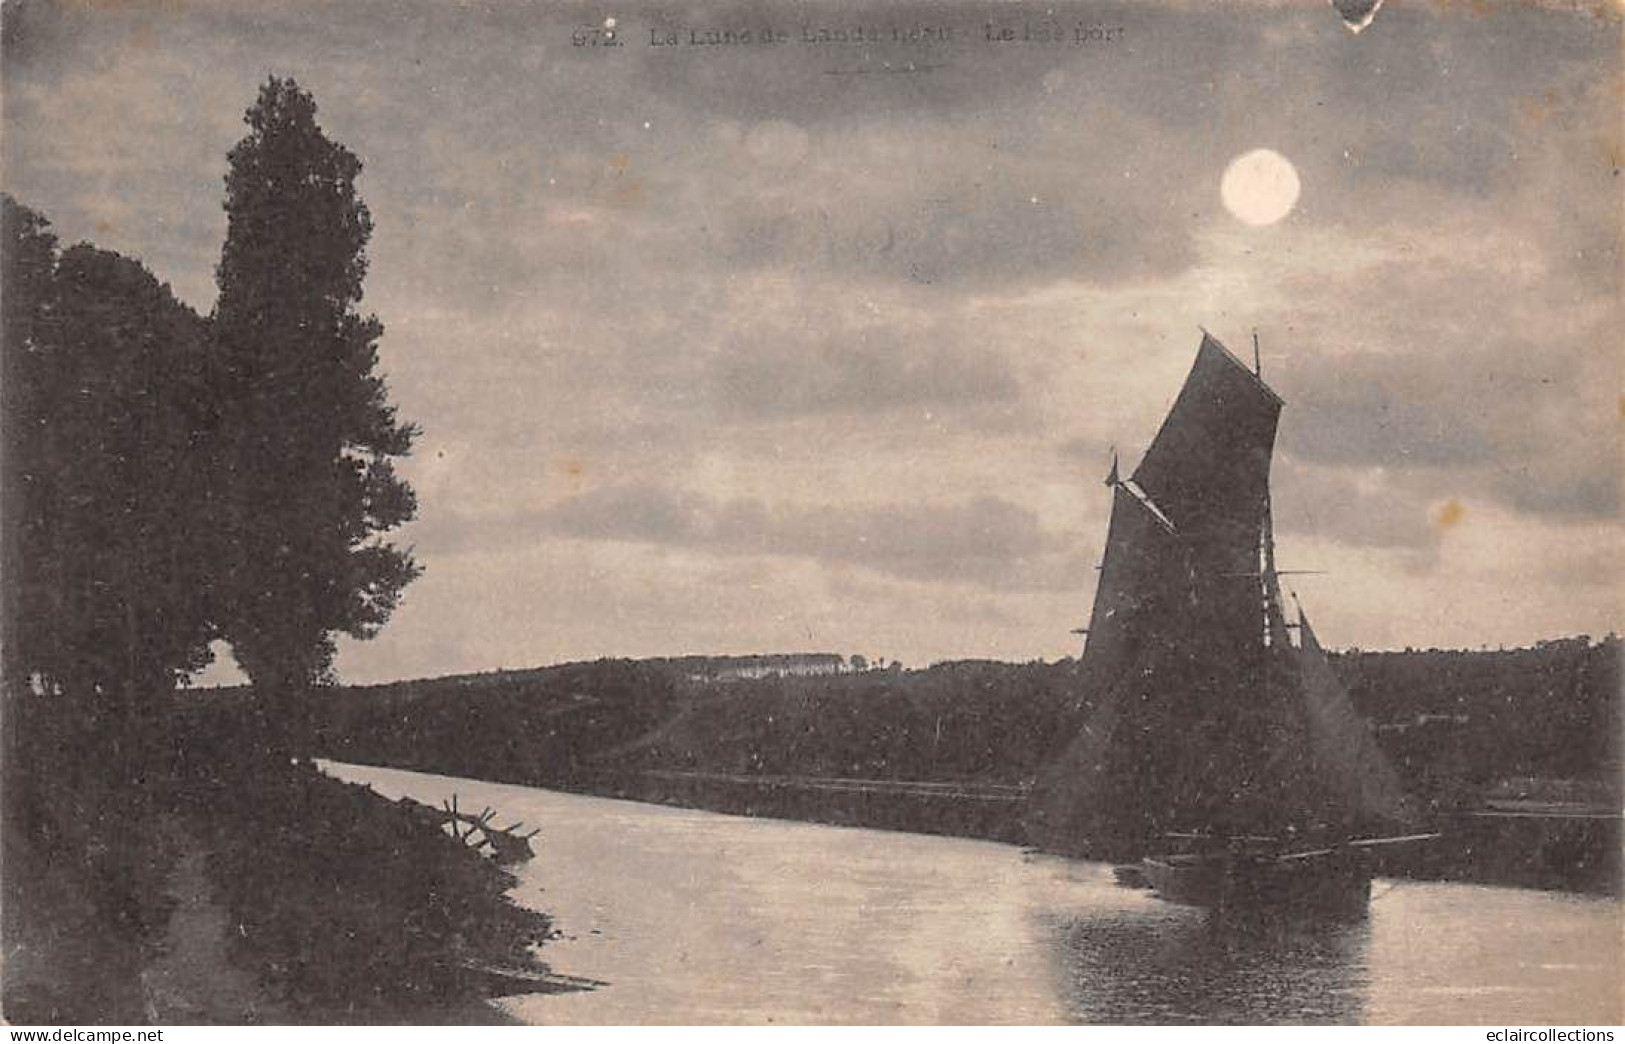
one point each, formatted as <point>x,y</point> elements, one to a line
<point>812,512</point>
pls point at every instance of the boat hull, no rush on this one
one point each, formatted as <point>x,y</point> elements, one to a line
<point>1335,886</point>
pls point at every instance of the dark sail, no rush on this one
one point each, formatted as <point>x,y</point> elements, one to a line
<point>1208,468</point>
<point>1208,471</point>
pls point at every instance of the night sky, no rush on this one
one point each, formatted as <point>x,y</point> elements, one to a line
<point>793,346</point>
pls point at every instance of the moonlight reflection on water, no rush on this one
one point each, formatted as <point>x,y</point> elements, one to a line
<point>1169,967</point>
<point>698,918</point>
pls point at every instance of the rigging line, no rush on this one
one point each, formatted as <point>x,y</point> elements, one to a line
<point>1275,572</point>
<point>1144,500</point>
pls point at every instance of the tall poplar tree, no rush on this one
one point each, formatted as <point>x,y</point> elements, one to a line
<point>309,433</point>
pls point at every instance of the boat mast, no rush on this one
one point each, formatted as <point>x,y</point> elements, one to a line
<point>1112,482</point>
<point>1274,609</point>
<point>1272,583</point>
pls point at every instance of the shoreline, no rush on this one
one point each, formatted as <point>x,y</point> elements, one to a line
<point>299,900</point>
<point>1578,856</point>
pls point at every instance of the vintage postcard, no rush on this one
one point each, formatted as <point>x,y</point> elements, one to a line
<point>812,512</point>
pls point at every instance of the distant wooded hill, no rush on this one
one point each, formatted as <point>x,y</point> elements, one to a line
<point>1455,722</point>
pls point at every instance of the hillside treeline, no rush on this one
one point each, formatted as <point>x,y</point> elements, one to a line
<point>1455,718</point>
<point>558,725</point>
<point>1452,721</point>
<point>550,726</point>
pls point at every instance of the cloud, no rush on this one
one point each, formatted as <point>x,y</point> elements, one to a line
<point>984,541</point>
<point>1564,489</point>
<point>954,208</point>
<point>774,371</point>
<point>1357,508</point>
<point>1500,394</point>
<point>1399,409</point>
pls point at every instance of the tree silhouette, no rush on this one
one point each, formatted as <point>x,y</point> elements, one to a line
<point>308,430</point>
<point>110,426</point>
<point>27,267</point>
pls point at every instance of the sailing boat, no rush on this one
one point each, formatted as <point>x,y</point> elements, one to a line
<point>1220,748</point>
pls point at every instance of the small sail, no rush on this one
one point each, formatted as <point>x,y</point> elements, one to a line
<point>1066,808</point>
<point>1138,572</point>
<point>1092,792</point>
<point>1343,746</point>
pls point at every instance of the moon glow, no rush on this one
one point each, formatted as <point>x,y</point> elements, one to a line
<point>1260,187</point>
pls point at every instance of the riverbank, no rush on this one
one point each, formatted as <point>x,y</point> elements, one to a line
<point>236,895</point>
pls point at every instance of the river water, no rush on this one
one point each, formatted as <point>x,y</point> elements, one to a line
<point>693,917</point>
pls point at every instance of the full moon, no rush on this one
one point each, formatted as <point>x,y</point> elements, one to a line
<point>1260,187</point>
